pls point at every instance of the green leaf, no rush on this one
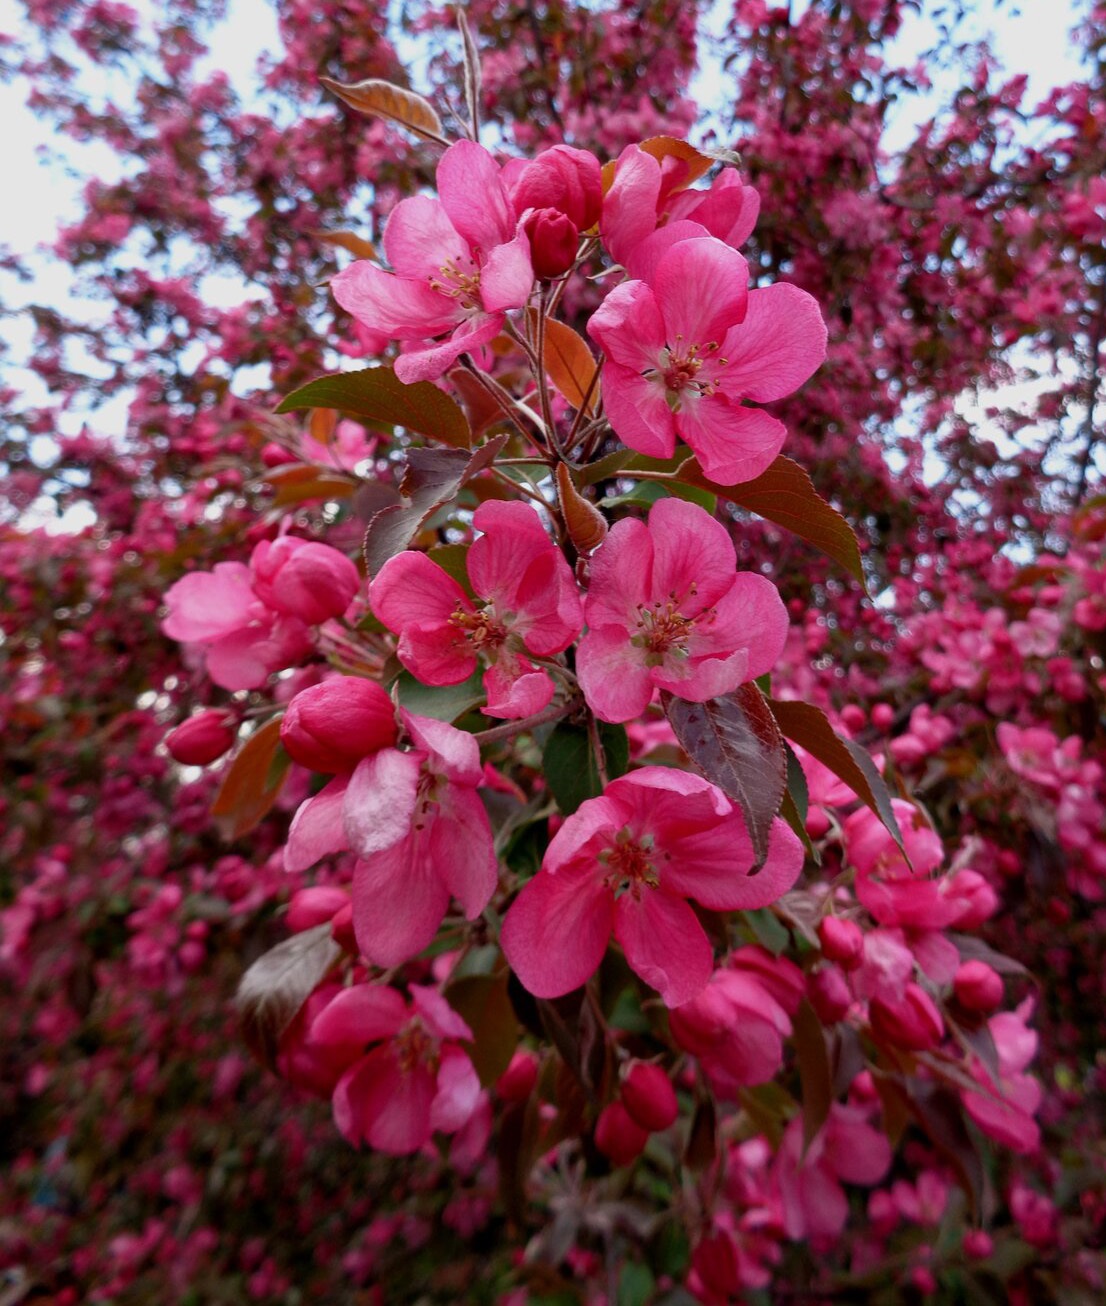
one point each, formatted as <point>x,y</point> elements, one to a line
<point>452,558</point>
<point>442,702</point>
<point>277,985</point>
<point>807,725</point>
<point>815,1073</point>
<point>378,394</point>
<point>768,930</point>
<point>569,762</point>
<point>635,1284</point>
<point>735,742</point>
<point>784,494</point>
<point>796,782</point>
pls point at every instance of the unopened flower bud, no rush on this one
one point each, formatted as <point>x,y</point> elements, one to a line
<point>829,994</point>
<point>978,1244</point>
<point>553,241</point>
<point>304,579</point>
<point>649,1097</point>
<point>341,930</point>
<point>518,1080</point>
<point>202,739</point>
<point>716,1263</point>
<point>565,179</point>
<point>842,941</point>
<point>912,1022</point>
<point>314,906</point>
<point>618,1136</point>
<point>332,726</point>
<point>977,986</point>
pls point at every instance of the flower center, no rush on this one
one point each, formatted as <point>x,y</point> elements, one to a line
<point>415,1046</point>
<point>482,629</point>
<point>457,284</point>
<point>663,629</point>
<point>629,864</point>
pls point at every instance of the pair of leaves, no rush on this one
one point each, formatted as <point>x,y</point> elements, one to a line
<point>378,394</point>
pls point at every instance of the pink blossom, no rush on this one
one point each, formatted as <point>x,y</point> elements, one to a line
<point>667,609</point>
<point>459,262</point>
<point>736,1026</point>
<point>687,345</point>
<point>846,1149</point>
<point>626,863</point>
<point>202,739</point>
<point>415,1081</point>
<point>1006,1102</point>
<point>304,579</point>
<point>527,604</point>
<point>414,819</point>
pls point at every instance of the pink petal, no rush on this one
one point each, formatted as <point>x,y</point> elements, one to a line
<point>419,239</point>
<point>436,654</point>
<point>548,607</point>
<point>616,683</point>
<point>702,289</point>
<point>512,696</point>
<point>429,364</point>
<point>630,206</point>
<point>556,932</point>
<point>781,343</point>
<point>642,263</point>
<point>473,194</point>
<point>245,659</point>
<point>751,617</point>
<point>664,944</point>
<point>698,679</point>
<point>621,576</point>
<point>380,800</point>
<point>458,1092</point>
<point>507,277</point>
<point>690,549</point>
<point>401,307</point>
<point>206,605</point>
<point>638,411</point>
<point>712,866</point>
<point>511,538</point>
<point>459,846</point>
<point>317,830</point>
<point>584,835</point>
<point>437,1015</point>
<point>410,588</point>
<point>733,444</point>
<point>453,753</point>
<point>356,1017</point>
<point>378,1103</point>
<point>728,210</point>
<point>629,328</point>
<point>858,1153</point>
<point>399,901</point>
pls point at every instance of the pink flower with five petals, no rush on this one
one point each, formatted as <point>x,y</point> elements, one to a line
<point>527,604</point>
<point>460,262</point>
<point>626,863</point>
<point>685,347</point>
<point>667,609</point>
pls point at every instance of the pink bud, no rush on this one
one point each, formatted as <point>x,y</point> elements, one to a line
<point>852,717</point>
<point>275,455</point>
<point>883,714</point>
<point>202,739</point>
<point>912,1022</point>
<point>979,899</point>
<point>649,1097</point>
<point>553,241</point>
<point>314,906</point>
<point>620,1138</point>
<point>842,941</point>
<point>304,579</point>
<point>715,1262</point>
<point>565,179</point>
<point>518,1080</point>
<point>978,1244</point>
<point>977,986</point>
<point>332,726</point>
<point>341,930</point>
<point>829,994</point>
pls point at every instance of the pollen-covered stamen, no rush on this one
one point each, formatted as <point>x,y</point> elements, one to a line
<point>415,1046</point>
<point>462,285</point>
<point>482,629</point>
<point>630,865</point>
<point>663,628</point>
<point>680,368</point>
